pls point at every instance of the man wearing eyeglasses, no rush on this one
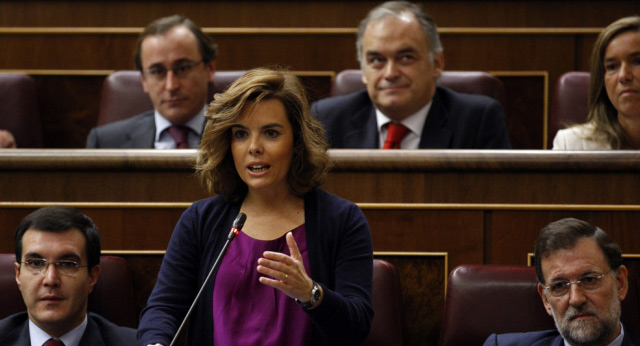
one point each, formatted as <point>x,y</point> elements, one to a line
<point>177,62</point>
<point>57,266</point>
<point>581,282</point>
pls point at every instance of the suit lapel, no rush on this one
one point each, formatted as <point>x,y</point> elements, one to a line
<point>434,133</point>
<point>92,335</point>
<point>204,125</point>
<point>364,129</point>
<point>18,336</point>
<point>142,133</point>
<point>557,341</point>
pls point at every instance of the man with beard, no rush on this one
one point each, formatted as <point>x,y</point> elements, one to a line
<point>582,282</point>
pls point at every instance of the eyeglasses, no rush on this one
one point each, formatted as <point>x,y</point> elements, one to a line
<point>40,265</point>
<point>588,283</point>
<point>180,70</point>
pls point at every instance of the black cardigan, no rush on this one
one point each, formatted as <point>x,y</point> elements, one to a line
<point>340,255</point>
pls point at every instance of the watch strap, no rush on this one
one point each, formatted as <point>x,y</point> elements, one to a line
<point>315,297</point>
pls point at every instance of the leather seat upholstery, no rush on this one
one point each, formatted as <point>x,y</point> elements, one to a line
<point>570,104</point>
<point>386,327</point>
<point>19,109</point>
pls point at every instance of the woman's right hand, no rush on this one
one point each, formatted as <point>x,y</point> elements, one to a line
<point>285,272</point>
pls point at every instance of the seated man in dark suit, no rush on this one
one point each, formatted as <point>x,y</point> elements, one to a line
<point>58,255</point>
<point>401,57</point>
<point>177,62</point>
<point>582,282</point>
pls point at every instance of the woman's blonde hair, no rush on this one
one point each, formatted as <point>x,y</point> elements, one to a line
<point>309,158</point>
<point>602,114</point>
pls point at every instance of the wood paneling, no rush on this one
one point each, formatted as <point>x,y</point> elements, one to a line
<point>363,176</point>
<point>475,206</point>
<point>414,200</point>
<point>122,228</point>
<point>148,227</point>
<point>462,13</point>
<point>103,49</point>
<point>395,228</point>
<point>513,232</point>
<point>73,35</point>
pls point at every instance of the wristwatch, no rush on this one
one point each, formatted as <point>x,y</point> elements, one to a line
<point>316,294</point>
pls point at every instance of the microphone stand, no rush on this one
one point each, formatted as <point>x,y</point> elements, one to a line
<point>235,229</point>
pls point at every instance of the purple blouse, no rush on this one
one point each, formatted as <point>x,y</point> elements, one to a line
<point>246,312</point>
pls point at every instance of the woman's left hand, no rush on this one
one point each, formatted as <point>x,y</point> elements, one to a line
<point>286,273</point>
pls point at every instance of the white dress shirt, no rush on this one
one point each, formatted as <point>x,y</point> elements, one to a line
<point>71,338</point>
<point>163,139</point>
<point>415,124</point>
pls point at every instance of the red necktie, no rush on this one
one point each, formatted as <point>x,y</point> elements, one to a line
<point>395,134</point>
<point>53,342</point>
<point>180,135</point>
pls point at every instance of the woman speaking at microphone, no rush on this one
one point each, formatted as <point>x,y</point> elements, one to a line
<point>300,271</point>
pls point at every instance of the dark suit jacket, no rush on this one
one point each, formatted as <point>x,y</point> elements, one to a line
<point>137,132</point>
<point>14,331</point>
<point>543,338</point>
<point>455,121</point>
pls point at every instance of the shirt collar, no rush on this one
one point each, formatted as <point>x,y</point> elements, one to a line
<point>414,122</point>
<point>71,338</point>
<point>195,124</point>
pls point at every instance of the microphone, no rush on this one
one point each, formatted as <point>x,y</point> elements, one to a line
<point>235,229</point>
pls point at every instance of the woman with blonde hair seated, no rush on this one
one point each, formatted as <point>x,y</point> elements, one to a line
<point>614,93</point>
<point>300,272</point>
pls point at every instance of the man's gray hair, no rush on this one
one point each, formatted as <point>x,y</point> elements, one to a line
<point>396,9</point>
